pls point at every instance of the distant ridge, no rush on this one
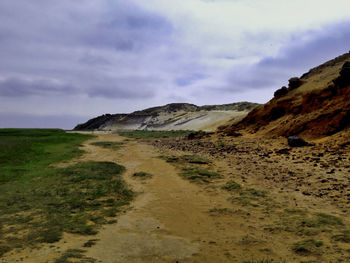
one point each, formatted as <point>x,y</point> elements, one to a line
<point>171,116</point>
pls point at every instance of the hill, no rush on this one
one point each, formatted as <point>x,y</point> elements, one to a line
<point>174,116</point>
<point>315,105</point>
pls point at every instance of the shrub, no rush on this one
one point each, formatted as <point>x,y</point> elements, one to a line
<point>306,247</point>
<point>231,186</point>
<point>295,83</point>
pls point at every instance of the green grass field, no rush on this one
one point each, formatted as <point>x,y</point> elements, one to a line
<point>28,153</point>
<point>39,202</point>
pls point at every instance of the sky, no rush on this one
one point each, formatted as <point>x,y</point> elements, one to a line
<point>65,61</point>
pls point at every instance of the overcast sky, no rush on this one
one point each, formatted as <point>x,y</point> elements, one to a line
<point>64,61</point>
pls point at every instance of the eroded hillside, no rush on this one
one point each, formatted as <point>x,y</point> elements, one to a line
<point>315,105</point>
<point>175,116</point>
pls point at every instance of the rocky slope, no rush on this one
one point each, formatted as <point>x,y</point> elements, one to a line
<point>175,116</point>
<point>315,105</point>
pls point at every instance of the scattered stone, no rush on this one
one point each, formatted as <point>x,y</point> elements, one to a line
<point>283,151</point>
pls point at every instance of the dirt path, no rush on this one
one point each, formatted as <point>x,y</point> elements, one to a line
<point>169,219</point>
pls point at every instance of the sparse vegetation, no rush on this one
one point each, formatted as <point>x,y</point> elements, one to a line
<point>90,243</point>
<point>198,175</point>
<point>75,199</point>
<point>189,159</point>
<point>109,145</point>
<point>142,134</point>
<point>303,223</point>
<point>308,246</point>
<point>74,254</point>
<point>325,219</point>
<point>170,159</point>
<point>261,261</point>
<point>195,159</point>
<point>344,236</point>
<point>254,192</point>
<point>142,175</point>
<point>231,186</point>
<point>249,196</point>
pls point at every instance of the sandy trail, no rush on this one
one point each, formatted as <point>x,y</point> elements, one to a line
<point>169,219</point>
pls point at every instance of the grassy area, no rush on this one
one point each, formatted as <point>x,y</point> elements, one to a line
<point>39,202</point>
<point>198,175</point>
<point>90,243</point>
<point>231,186</point>
<point>170,159</point>
<point>195,159</point>
<point>307,247</point>
<point>189,165</point>
<point>74,254</point>
<point>109,145</point>
<point>304,223</point>
<point>28,153</point>
<point>344,236</point>
<point>142,134</point>
<point>248,196</point>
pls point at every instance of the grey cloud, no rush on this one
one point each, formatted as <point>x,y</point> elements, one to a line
<point>16,120</point>
<point>17,87</point>
<point>189,79</point>
<point>123,27</point>
<point>150,21</point>
<point>330,42</point>
<point>293,59</point>
<point>122,88</point>
<point>81,45</point>
<point>94,60</point>
<point>125,88</point>
<point>121,92</point>
<point>129,28</point>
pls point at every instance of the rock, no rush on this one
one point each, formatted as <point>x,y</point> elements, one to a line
<point>296,141</point>
<point>344,79</point>
<point>280,92</point>
<point>345,71</point>
<point>233,133</point>
<point>295,83</point>
<point>198,135</point>
<point>283,151</point>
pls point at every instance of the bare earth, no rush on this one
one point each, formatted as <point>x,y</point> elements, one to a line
<point>174,220</point>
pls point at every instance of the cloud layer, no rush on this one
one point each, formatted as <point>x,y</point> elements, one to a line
<point>85,58</point>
